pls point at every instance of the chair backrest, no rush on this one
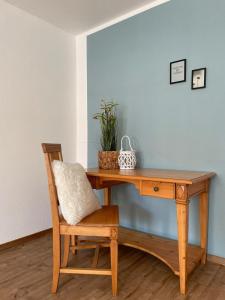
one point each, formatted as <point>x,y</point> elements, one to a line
<point>52,152</point>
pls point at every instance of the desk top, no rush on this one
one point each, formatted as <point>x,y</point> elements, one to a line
<point>174,176</point>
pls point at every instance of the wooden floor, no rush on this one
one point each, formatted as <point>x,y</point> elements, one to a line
<point>25,273</point>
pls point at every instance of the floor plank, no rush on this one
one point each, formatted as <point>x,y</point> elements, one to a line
<point>25,274</point>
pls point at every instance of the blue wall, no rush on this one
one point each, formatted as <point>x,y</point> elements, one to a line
<point>171,125</point>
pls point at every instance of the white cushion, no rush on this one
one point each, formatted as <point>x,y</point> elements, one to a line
<point>76,197</point>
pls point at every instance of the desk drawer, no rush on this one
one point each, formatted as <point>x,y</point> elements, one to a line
<point>158,189</point>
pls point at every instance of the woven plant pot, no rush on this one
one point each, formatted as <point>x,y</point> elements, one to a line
<point>108,160</point>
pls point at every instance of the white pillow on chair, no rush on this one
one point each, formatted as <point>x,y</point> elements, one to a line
<point>76,197</point>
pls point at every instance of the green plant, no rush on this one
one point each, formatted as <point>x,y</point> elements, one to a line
<point>108,122</point>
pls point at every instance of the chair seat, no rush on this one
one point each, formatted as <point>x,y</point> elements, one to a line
<point>105,216</point>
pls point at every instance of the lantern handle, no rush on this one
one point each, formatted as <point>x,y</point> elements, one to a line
<point>126,136</point>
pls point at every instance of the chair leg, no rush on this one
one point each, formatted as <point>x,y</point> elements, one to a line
<point>114,265</point>
<point>73,243</point>
<point>96,257</point>
<point>66,250</point>
<point>56,260</point>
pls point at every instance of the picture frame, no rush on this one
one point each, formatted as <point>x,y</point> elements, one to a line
<point>178,71</point>
<point>198,79</point>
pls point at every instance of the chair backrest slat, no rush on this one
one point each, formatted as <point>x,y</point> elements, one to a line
<point>52,152</point>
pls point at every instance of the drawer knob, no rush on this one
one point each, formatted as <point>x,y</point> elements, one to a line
<point>156,188</point>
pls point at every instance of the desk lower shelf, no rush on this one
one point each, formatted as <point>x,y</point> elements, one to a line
<point>164,249</point>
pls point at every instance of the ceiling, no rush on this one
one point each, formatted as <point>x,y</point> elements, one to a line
<point>77,16</point>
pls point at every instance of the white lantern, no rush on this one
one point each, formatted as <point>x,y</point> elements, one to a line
<point>127,159</point>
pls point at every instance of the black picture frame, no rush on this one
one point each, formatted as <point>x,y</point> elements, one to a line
<point>202,84</point>
<point>178,62</point>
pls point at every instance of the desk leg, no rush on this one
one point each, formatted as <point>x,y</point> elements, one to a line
<point>107,196</point>
<point>182,206</point>
<point>203,210</point>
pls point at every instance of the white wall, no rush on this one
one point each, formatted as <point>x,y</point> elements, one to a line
<point>37,104</point>
<point>81,100</point>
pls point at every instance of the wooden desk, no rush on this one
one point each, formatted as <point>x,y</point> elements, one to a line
<point>181,257</point>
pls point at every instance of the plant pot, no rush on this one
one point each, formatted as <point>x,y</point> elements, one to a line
<point>108,160</point>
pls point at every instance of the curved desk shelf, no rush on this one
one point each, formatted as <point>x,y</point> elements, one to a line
<point>164,249</point>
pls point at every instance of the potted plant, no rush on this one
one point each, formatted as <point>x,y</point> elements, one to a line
<point>108,156</point>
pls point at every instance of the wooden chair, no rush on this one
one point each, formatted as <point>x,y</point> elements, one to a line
<point>102,223</point>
